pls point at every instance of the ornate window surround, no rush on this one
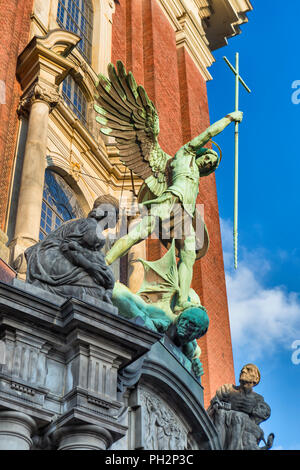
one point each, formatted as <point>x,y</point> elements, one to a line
<point>44,19</point>
<point>85,78</point>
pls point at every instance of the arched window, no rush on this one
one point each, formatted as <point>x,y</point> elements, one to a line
<point>75,99</point>
<point>77,16</point>
<point>59,204</point>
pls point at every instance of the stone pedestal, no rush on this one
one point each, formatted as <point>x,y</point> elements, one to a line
<point>62,358</point>
<point>76,376</point>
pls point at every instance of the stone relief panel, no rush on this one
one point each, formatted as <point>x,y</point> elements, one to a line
<point>163,430</point>
<point>153,424</point>
<point>26,358</point>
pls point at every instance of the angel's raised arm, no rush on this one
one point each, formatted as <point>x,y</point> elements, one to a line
<point>214,130</point>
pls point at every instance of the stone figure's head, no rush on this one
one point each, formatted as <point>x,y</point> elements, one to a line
<point>249,376</point>
<point>106,210</point>
<point>207,162</point>
<point>191,324</point>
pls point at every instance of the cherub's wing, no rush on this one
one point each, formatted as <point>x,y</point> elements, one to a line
<point>127,114</point>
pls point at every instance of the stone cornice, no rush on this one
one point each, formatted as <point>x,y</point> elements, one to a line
<point>46,58</point>
<point>224,23</point>
<point>204,25</point>
<point>193,38</point>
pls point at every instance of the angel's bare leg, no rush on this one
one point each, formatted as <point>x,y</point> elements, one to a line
<point>185,269</point>
<point>139,233</point>
<point>142,230</point>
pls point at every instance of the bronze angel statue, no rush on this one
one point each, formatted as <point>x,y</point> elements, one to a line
<point>126,113</point>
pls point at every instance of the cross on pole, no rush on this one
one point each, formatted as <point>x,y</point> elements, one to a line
<point>238,80</point>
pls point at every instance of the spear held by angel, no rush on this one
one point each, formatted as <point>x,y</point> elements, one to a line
<point>126,113</point>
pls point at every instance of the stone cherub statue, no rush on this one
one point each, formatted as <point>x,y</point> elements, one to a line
<point>69,261</point>
<point>127,114</point>
<point>237,412</point>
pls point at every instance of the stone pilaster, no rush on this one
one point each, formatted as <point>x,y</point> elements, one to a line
<point>38,102</point>
<point>103,14</point>
<point>41,67</point>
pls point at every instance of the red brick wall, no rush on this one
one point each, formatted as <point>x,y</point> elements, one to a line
<point>14,30</point>
<point>7,274</point>
<point>145,40</point>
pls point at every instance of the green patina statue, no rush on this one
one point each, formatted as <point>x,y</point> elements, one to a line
<point>127,114</point>
<point>154,304</point>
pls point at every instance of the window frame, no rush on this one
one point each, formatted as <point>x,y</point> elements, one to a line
<point>73,16</point>
<point>73,95</point>
<point>50,216</point>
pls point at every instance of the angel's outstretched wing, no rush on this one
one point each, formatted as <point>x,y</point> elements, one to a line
<point>127,114</point>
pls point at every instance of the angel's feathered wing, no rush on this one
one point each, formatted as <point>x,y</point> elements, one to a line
<point>126,113</point>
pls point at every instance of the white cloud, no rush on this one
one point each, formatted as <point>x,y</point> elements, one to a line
<point>261,318</point>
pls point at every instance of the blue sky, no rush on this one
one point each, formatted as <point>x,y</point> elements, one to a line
<point>264,293</point>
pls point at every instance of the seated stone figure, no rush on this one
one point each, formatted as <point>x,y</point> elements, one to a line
<point>69,261</point>
<point>237,412</point>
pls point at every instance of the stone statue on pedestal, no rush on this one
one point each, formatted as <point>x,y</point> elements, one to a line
<point>69,261</point>
<point>237,412</point>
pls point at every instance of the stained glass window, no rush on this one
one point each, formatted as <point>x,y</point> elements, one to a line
<point>77,16</point>
<point>74,98</point>
<point>59,204</point>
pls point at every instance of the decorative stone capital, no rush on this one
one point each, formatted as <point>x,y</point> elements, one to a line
<point>82,437</point>
<point>48,94</point>
<point>40,91</point>
<point>16,430</point>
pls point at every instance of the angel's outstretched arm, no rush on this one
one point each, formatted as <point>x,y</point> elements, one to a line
<point>214,130</point>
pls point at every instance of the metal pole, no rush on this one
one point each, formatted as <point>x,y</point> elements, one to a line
<point>236,166</point>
